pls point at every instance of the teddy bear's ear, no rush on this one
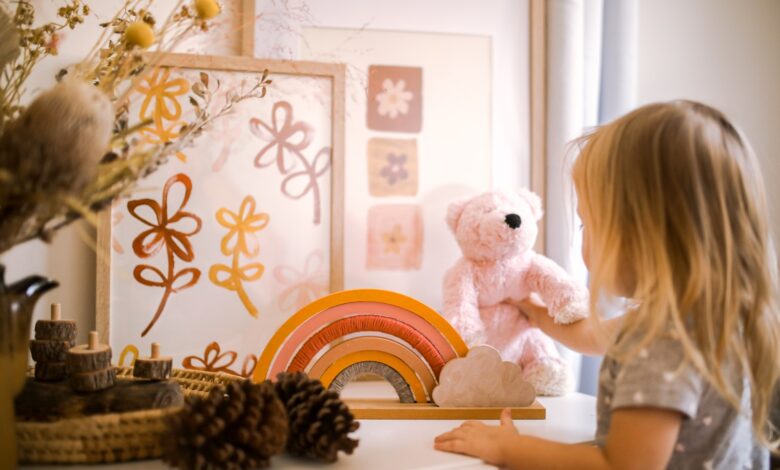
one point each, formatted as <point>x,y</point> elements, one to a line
<point>454,211</point>
<point>534,202</point>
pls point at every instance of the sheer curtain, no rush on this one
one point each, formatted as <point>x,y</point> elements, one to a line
<point>591,79</point>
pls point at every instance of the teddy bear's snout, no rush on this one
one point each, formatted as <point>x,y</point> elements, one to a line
<point>513,220</point>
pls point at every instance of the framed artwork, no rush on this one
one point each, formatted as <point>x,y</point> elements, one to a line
<point>218,247</point>
<point>419,135</point>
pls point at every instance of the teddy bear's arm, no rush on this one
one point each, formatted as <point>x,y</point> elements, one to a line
<point>566,300</point>
<point>461,307</point>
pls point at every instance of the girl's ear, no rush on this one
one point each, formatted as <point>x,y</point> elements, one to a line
<point>454,211</point>
<point>533,201</point>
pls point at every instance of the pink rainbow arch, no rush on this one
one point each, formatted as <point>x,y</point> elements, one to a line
<point>316,317</point>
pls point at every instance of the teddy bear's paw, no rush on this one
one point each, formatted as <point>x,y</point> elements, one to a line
<point>571,312</point>
<point>550,377</point>
<point>471,332</point>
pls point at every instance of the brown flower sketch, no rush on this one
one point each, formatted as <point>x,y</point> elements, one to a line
<point>289,139</point>
<point>163,231</point>
<point>214,360</point>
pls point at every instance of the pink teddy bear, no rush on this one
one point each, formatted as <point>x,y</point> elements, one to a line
<point>496,232</point>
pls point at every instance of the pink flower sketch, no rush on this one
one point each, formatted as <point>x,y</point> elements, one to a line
<point>227,132</point>
<point>287,140</point>
<point>302,288</point>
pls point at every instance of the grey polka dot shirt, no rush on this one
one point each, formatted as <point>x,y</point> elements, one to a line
<point>713,435</point>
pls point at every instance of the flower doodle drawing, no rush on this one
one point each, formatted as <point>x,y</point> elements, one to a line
<point>170,228</point>
<point>214,360</point>
<point>240,241</point>
<point>162,106</point>
<point>287,140</point>
<point>302,288</point>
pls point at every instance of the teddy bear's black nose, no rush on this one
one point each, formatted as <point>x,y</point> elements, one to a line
<point>513,220</point>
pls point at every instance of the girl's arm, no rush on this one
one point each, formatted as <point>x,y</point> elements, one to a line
<point>588,336</point>
<point>639,438</point>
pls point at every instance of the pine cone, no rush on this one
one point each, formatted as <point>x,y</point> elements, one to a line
<point>234,428</point>
<point>319,420</point>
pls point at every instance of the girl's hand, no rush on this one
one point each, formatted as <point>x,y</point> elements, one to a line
<point>477,439</point>
<point>534,309</point>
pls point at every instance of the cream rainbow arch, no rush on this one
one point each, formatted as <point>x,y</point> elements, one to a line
<point>331,337</point>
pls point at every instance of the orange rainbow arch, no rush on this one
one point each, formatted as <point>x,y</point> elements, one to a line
<point>337,336</point>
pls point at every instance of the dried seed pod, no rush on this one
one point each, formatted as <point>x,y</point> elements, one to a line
<point>319,421</point>
<point>241,426</point>
<point>55,145</point>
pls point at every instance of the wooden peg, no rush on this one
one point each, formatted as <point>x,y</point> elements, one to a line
<point>90,357</point>
<point>56,312</point>
<point>55,328</point>
<point>155,367</point>
<point>93,340</point>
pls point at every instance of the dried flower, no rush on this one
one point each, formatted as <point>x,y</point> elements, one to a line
<point>207,9</point>
<point>48,184</point>
<point>139,34</point>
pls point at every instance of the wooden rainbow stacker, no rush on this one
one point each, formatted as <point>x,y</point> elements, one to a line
<point>354,333</point>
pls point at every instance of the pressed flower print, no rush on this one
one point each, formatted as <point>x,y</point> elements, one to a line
<point>394,101</point>
<point>392,167</point>
<point>395,237</point>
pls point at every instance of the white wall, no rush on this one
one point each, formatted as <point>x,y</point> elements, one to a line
<point>724,53</point>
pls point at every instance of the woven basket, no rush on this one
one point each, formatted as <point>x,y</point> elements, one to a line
<point>113,437</point>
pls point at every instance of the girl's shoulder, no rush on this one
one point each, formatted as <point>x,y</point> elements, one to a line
<point>654,374</point>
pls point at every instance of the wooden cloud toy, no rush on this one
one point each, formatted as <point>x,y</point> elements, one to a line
<point>348,334</point>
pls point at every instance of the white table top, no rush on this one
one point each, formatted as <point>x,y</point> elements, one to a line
<point>390,444</point>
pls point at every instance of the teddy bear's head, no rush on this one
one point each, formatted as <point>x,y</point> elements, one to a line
<point>495,225</point>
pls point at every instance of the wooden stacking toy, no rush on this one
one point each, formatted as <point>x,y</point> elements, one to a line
<point>89,366</point>
<point>155,367</point>
<point>49,349</point>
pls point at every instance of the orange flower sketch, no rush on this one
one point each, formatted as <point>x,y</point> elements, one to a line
<point>290,138</point>
<point>240,240</point>
<point>162,106</point>
<point>131,350</point>
<point>214,360</point>
<point>302,288</point>
<point>162,231</point>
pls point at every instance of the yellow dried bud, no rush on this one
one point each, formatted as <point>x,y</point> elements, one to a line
<point>206,9</point>
<point>139,34</point>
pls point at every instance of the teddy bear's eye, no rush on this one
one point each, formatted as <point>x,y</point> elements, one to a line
<point>513,220</point>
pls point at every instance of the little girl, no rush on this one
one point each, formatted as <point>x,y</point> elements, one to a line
<point>675,219</point>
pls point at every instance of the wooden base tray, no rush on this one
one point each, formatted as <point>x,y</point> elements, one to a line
<point>386,408</point>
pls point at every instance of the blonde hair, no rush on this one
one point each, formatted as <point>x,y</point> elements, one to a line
<point>674,203</point>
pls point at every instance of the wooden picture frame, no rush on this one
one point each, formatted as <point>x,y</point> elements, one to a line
<point>228,33</point>
<point>328,76</point>
<point>538,94</point>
